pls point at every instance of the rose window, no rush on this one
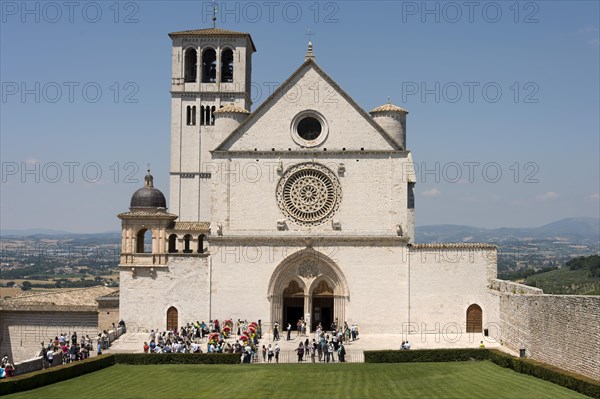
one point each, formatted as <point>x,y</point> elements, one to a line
<point>309,194</point>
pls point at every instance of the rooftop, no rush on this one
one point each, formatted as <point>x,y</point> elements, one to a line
<point>213,32</point>
<point>70,300</point>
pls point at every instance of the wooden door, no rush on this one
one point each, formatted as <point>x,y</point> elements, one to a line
<point>474,319</point>
<point>172,319</point>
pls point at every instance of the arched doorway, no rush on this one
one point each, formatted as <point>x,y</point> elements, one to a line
<point>322,306</point>
<point>172,318</point>
<point>293,304</point>
<point>304,283</point>
<point>474,319</point>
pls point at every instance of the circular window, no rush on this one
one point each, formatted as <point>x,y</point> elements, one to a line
<point>309,128</point>
<point>309,194</point>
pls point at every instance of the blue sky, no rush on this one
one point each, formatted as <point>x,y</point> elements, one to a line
<point>503,99</point>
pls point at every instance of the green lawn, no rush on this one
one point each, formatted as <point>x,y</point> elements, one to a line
<point>405,380</point>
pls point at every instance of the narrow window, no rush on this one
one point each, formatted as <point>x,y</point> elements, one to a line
<point>201,244</point>
<point>202,118</point>
<point>173,243</point>
<point>186,244</point>
<point>194,115</point>
<point>227,66</point>
<point>207,115</point>
<point>191,65</point>
<point>188,115</point>
<point>209,66</point>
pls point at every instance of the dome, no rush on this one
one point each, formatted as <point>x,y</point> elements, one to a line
<point>148,196</point>
<point>389,108</point>
<point>232,109</point>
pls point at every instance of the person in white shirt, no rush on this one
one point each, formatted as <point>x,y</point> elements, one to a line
<point>50,357</point>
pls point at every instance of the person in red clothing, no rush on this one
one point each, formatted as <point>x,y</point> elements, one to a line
<point>146,347</point>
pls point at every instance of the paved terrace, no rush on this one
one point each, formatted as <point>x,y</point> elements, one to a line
<point>133,343</point>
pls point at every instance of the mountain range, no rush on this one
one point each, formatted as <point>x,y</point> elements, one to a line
<point>576,230</point>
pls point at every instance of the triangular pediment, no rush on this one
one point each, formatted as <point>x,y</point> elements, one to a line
<point>309,91</point>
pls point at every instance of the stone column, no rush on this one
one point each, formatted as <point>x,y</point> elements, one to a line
<point>307,311</point>
<point>276,308</point>
<point>339,309</point>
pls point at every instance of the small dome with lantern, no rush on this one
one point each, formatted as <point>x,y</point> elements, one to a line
<point>148,196</point>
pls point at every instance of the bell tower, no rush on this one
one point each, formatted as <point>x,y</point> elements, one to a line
<point>211,68</point>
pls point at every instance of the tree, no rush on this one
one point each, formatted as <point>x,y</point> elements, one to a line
<point>26,286</point>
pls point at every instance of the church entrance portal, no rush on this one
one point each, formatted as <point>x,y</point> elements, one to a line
<point>310,286</point>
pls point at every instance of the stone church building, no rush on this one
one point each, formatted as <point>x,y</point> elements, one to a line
<point>305,208</point>
<point>302,208</point>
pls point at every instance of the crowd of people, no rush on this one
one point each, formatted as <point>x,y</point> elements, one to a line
<point>242,337</point>
<point>189,338</point>
<point>72,347</point>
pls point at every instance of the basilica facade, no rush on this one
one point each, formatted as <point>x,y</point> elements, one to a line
<point>301,208</point>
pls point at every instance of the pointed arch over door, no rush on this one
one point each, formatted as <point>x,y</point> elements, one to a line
<point>319,279</point>
<point>474,319</point>
<point>172,318</point>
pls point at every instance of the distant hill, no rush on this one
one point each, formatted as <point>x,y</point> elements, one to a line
<point>31,232</point>
<point>64,236</point>
<point>564,281</point>
<point>569,229</point>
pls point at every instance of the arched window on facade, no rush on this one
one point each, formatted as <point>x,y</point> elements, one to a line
<point>186,244</point>
<point>212,115</point>
<point>201,243</point>
<point>191,65</point>
<point>227,66</point>
<point>143,241</point>
<point>474,319</point>
<point>209,66</point>
<point>202,118</point>
<point>172,243</point>
<point>190,115</point>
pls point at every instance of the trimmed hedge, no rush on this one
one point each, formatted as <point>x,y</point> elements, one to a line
<point>576,382</point>
<point>177,358</point>
<point>426,355</point>
<point>41,378</point>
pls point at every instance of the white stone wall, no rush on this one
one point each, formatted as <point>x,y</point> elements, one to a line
<point>387,287</point>
<point>377,282</point>
<point>145,295</point>
<point>271,125</point>
<point>23,332</point>
<point>444,283</point>
<point>561,330</point>
<point>374,193</point>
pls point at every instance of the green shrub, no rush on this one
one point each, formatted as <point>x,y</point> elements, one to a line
<point>576,382</point>
<point>177,358</point>
<point>40,378</point>
<point>427,355</point>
